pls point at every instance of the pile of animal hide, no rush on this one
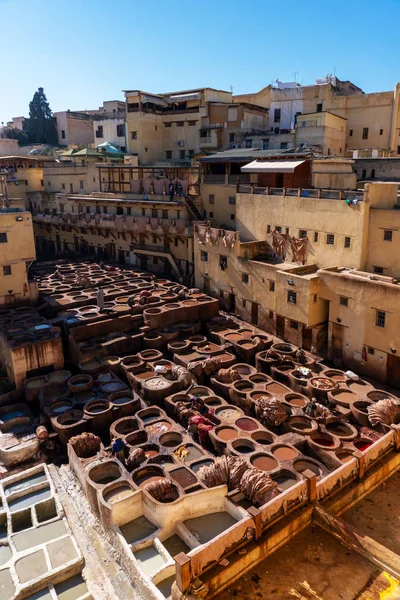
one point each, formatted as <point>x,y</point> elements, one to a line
<point>385,412</point>
<point>270,412</point>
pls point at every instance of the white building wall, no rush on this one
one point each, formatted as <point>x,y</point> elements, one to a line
<point>109,132</point>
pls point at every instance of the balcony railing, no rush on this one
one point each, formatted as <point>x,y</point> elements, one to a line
<point>357,195</point>
<point>208,178</point>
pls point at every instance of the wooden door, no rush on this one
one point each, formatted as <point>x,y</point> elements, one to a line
<point>393,370</point>
<point>121,257</point>
<point>280,326</point>
<point>337,341</point>
<point>206,285</point>
<point>254,313</point>
<point>307,338</point>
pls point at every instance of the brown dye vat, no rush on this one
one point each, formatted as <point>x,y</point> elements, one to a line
<point>362,444</point>
<point>323,441</point>
<point>243,446</point>
<point>184,477</point>
<point>296,401</point>
<point>144,374</point>
<point>340,429</point>
<point>285,453</point>
<point>234,337</point>
<point>276,388</point>
<point>358,387</point>
<point>258,395</point>
<point>345,397</point>
<point>151,453</point>
<point>159,427</point>
<point>118,493</point>
<point>336,376</point>
<point>264,462</point>
<point>246,424</point>
<point>227,433</point>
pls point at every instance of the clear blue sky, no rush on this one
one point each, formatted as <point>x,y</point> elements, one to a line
<point>85,51</point>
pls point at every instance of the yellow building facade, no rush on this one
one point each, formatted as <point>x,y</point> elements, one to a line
<point>295,299</point>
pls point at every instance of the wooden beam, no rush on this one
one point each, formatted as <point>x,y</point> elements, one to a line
<point>311,479</point>
<point>362,544</point>
<point>256,514</point>
<point>182,567</point>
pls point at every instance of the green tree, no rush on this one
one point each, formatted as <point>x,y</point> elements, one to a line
<point>13,133</point>
<point>41,126</point>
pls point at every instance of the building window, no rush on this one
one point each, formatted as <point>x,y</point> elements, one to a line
<point>268,228</point>
<point>351,133</point>
<point>388,235</point>
<point>380,318</point>
<point>278,228</point>
<point>88,209</point>
<point>168,154</point>
<point>302,233</point>
<point>315,298</point>
<point>381,132</point>
<point>190,153</point>
<point>347,242</point>
<point>211,215</point>
<point>192,123</point>
<point>231,137</point>
<point>277,115</point>
<point>398,149</point>
<point>271,314</point>
<point>292,297</point>
<point>315,236</point>
<point>129,211</point>
<point>319,106</point>
<point>155,260</point>
<point>204,256</point>
<point>245,278</point>
<point>211,198</point>
<point>167,124</point>
<point>223,262</point>
<point>372,173</point>
<point>272,286</point>
<point>3,238</point>
<point>343,301</point>
<point>71,188</point>
<point>378,270</point>
<point>248,143</point>
<point>180,123</point>
<point>133,135</point>
<point>365,133</point>
<point>154,213</point>
<point>81,184</point>
<point>284,145</point>
<point>63,186</point>
<point>371,351</point>
<point>232,217</point>
<point>265,144</point>
<point>7,270</point>
<point>294,324</point>
<point>143,212</point>
<point>63,134</point>
<point>182,154</point>
<point>121,130</point>
<point>154,239</point>
<point>330,239</point>
<point>99,131</point>
<point>176,242</point>
<point>165,214</point>
<point>105,210</point>
<point>243,303</point>
<point>232,199</point>
<point>42,182</point>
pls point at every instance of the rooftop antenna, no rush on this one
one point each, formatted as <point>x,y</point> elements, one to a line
<point>231,86</point>
<point>295,73</point>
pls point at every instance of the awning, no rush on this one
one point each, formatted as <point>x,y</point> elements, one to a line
<point>272,166</point>
<point>185,97</point>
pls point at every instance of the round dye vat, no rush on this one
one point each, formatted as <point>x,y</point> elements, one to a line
<point>144,374</point>
<point>121,400</point>
<point>276,388</point>
<point>118,493</point>
<point>285,453</point>
<point>228,414</point>
<point>302,465</point>
<point>362,444</point>
<point>234,337</point>
<point>340,429</point>
<point>359,387</point>
<point>326,442</point>
<point>242,368</point>
<point>285,481</point>
<point>344,456</point>
<point>264,462</point>
<point>227,433</point>
<point>246,424</point>
<point>297,401</point>
<point>159,427</point>
<point>150,453</point>
<point>146,479</point>
<point>344,397</point>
